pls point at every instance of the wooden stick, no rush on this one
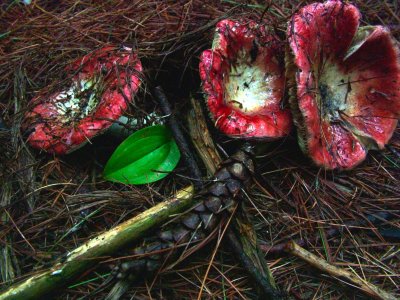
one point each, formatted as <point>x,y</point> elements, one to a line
<point>365,286</point>
<point>241,236</point>
<point>376,219</point>
<point>202,139</point>
<point>179,137</point>
<point>92,252</point>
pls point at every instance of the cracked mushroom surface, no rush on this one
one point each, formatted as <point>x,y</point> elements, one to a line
<point>346,78</point>
<point>97,91</point>
<point>243,80</point>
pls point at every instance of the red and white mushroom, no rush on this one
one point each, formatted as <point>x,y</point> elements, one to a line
<point>100,86</point>
<point>347,84</point>
<point>243,80</point>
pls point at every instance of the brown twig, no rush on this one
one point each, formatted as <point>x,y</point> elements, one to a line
<point>262,279</point>
<point>201,137</point>
<point>371,219</point>
<point>179,137</point>
<point>368,288</point>
<point>243,241</point>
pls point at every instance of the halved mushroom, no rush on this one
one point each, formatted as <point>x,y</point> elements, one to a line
<point>99,87</point>
<point>244,81</point>
<point>346,79</point>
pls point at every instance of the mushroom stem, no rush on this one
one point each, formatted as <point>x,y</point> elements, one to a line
<point>91,253</point>
<point>124,126</point>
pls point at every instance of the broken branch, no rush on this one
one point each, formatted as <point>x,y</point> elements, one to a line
<point>89,254</point>
<point>365,286</point>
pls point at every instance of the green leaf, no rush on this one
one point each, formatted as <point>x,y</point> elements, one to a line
<point>145,156</point>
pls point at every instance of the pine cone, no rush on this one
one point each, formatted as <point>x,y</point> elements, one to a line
<point>233,175</point>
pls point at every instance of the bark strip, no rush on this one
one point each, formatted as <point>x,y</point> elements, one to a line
<point>92,252</point>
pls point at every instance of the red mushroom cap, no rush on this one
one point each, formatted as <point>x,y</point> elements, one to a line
<point>102,83</point>
<point>243,79</point>
<point>347,97</point>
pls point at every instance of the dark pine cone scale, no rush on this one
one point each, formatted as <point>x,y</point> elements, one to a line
<point>218,198</point>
